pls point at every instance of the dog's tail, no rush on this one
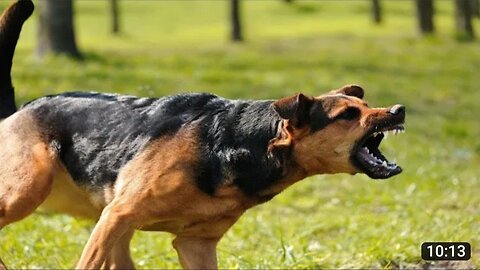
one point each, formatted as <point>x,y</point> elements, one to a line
<point>11,24</point>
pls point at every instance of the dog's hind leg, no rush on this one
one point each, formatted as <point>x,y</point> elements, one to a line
<point>119,257</point>
<point>26,167</point>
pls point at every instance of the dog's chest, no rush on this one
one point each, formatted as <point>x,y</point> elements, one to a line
<point>202,215</point>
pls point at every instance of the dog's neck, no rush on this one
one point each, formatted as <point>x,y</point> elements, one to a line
<point>279,157</point>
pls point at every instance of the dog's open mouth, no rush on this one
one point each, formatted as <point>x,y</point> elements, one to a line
<point>370,160</point>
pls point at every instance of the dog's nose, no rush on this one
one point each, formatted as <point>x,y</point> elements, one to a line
<point>397,109</point>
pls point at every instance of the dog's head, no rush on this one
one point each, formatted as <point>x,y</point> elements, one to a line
<point>338,132</point>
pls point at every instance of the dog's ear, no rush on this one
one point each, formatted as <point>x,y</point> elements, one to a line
<point>295,109</point>
<point>350,90</point>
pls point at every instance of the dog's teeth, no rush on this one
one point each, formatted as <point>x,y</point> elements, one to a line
<point>385,135</point>
<point>384,163</point>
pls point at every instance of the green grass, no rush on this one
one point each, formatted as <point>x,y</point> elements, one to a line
<point>336,221</point>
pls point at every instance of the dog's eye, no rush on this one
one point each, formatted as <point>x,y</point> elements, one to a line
<point>349,114</point>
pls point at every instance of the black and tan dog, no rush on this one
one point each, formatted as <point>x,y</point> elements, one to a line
<point>189,164</point>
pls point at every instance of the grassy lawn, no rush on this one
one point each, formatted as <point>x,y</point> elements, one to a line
<point>338,221</point>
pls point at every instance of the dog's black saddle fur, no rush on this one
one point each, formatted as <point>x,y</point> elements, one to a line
<point>96,134</point>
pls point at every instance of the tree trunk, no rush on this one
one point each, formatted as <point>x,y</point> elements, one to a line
<point>115,16</point>
<point>55,28</point>
<point>425,13</point>
<point>475,8</point>
<point>377,11</point>
<point>463,18</point>
<point>236,27</point>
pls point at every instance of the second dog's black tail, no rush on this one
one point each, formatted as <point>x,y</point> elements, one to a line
<point>11,24</point>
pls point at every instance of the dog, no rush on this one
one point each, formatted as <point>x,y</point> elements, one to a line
<point>188,164</point>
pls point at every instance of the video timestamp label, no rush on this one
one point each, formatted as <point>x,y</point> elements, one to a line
<point>446,251</point>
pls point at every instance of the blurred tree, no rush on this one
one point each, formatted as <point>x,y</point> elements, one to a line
<point>425,13</point>
<point>476,8</point>
<point>236,27</point>
<point>115,16</point>
<point>377,11</point>
<point>55,28</point>
<point>463,18</point>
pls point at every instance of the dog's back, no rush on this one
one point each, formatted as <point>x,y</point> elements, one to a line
<point>95,135</point>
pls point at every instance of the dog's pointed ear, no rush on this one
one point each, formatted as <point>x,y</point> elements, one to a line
<point>295,108</point>
<point>351,90</point>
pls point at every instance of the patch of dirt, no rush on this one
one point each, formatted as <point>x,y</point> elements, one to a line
<point>448,265</point>
<point>436,265</point>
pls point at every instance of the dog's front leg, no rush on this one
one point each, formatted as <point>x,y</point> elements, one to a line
<point>113,224</point>
<point>119,257</point>
<point>196,252</point>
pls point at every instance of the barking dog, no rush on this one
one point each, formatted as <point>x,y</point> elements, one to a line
<point>188,164</point>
